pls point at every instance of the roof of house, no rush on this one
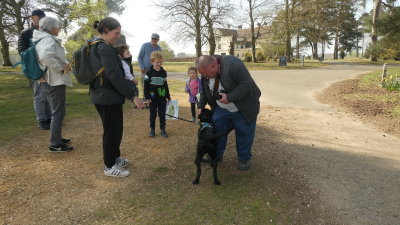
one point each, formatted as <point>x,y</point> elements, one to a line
<point>227,32</point>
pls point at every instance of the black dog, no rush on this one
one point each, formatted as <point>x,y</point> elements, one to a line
<point>207,144</point>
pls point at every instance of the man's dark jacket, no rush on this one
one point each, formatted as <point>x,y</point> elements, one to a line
<point>114,88</point>
<point>239,86</point>
<point>23,39</point>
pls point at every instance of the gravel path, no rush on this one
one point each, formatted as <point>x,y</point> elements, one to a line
<point>353,167</point>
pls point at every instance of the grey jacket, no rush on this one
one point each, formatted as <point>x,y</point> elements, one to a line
<point>239,87</point>
<point>114,88</point>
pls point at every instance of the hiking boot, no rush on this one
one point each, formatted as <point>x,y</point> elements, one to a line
<point>244,165</point>
<point>164,133</point>
<point>152,133</point>
<point>61,148</point>
<point>65,141</point>
<point>121,162</point>
<point>115,171</point>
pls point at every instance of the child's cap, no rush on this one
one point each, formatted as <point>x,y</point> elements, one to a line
<point>155,36</point>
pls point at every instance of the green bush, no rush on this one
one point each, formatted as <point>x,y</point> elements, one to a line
<point>392,83</point>
<point>260,56</point>
<point>247,57</point>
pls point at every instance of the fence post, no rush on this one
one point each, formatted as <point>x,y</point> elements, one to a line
<point>384,75</point>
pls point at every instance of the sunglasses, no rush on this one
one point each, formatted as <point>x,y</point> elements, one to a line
<point>154,39</point>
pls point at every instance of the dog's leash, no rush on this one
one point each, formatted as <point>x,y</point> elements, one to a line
<point>174,116</point>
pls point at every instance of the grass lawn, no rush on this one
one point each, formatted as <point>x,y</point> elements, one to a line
<point>183,66</point>
<point>374,79</point>
<point>16,104</point>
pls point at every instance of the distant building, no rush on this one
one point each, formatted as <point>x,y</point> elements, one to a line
<point>237,42</point>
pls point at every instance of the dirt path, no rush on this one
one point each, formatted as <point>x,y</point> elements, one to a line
<point>350,170</point>
<point>354,167</point>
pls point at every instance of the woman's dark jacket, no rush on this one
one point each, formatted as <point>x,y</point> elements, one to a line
<point>111,87</point>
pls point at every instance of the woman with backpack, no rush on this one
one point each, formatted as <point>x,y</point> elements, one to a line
<point>51,55</point>
<point>108,92</point>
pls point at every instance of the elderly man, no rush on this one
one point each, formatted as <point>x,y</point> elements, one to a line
<point>144,55</point>
<point>40,103</point>
<point>234,97</point>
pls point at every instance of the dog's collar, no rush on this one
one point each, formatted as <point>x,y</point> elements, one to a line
<point>205,125</point>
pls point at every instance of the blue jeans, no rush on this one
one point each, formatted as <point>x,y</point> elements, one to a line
<point>223,119</point>
<point>40,103</point>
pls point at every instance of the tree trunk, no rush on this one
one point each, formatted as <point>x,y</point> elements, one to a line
<point>211,35</point>
<point>18,16</point>
<point>198,28</point>
<point>211,41</point>
<point>5,51</point>
<point>253,36</point>
<point>287,32</point>
<point>374,33</point>
<point>315,53</point>
<point>298,46</point>
<point>336,45</point>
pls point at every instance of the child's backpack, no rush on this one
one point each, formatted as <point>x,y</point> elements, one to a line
<point>81,67</point>
<point>30,64</point>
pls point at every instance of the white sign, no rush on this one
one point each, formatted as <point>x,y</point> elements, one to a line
<point>172,110</point>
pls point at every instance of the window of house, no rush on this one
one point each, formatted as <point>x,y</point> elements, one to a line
<point>223,53</point>
<point>241,46</point>
<point>219,46</point>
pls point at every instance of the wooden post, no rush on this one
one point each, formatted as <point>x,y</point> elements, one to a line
<point>384,75</point>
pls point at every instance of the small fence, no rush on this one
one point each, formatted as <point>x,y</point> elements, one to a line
<point>186,59</point>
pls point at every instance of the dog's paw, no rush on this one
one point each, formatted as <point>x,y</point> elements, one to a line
<point>217,182</point>
<point>195,181</point>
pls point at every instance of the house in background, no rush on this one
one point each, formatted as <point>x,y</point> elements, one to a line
<point>237,42</point>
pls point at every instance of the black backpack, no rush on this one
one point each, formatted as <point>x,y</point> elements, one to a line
<point>81,67</point>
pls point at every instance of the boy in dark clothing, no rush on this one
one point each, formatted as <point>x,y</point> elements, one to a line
<point>156,92</point>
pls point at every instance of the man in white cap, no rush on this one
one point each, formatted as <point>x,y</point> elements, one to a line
<point>40,103</point>
<point>144,55</point>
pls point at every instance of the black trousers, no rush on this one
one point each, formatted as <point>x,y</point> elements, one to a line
<point>193,108</point>
<point>112,118</point>
<point>158,106</point>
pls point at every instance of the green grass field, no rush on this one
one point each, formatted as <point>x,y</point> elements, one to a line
<point>374,80</point>
<point>16,104</point>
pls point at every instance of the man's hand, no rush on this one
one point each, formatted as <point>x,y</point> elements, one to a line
<point>143,71</point>
<point>138,102</point>
<point>224,98</point>
<point>135,82</point>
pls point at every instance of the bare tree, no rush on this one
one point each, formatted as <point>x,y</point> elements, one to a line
<point>215,13</point>
<point>184,19</point>
<point>11,24</point>
<point>290,7</point>
<point>259,13</point>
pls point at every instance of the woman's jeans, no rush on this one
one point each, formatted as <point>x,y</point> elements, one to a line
<point>56,97</point>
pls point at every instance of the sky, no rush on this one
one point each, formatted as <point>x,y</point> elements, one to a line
<point>139,20</point>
